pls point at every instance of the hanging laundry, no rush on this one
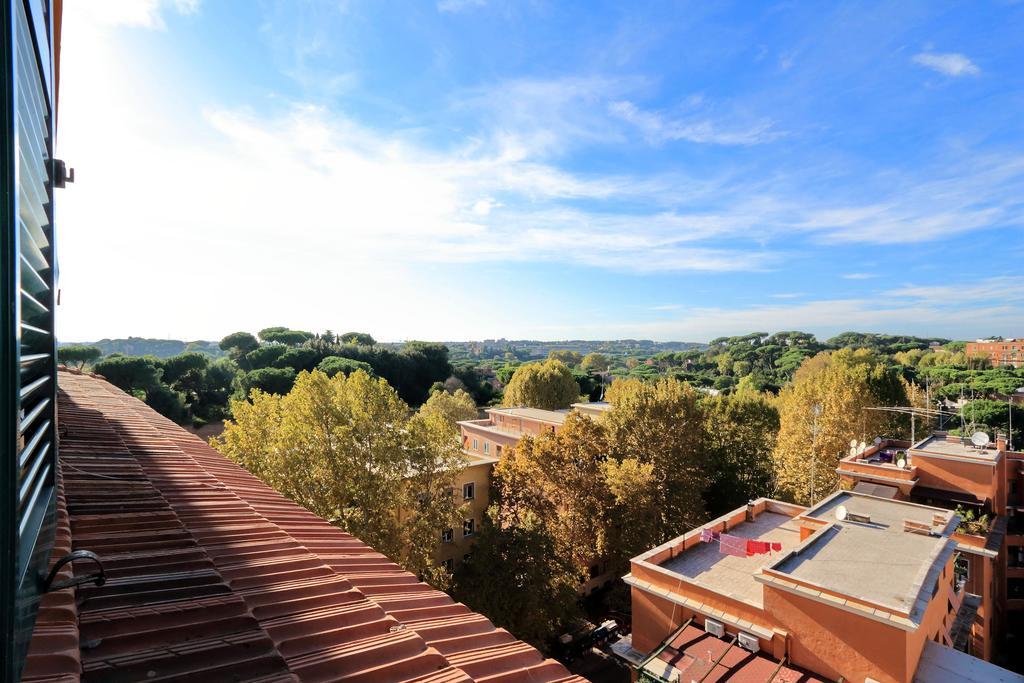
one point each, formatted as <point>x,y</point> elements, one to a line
<point>732,545</point>
<point>705,536</point>
<point>776,547</point>
<point>716,536</point>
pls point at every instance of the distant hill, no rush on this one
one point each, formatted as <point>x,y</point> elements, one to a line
<point>528,349</point>
<point>161,348</point>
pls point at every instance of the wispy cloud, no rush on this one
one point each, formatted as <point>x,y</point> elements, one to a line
<point>658,128</point>
<point>948,63</point>
<point>859,276</point>
<point>1009,289</point>
<point>787,295</point>
<point>458,5</point>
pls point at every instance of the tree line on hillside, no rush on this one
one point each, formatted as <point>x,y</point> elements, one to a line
<point>758,362</point>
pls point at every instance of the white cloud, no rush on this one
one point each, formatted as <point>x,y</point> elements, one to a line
<point>658,128</point>
<point>458,5</point>
<point>827,318</point>
<point>948,63</point>
<point>859,276</point>
<point>136,13</point>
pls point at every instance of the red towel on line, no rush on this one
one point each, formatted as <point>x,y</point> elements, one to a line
<point>776,547</point>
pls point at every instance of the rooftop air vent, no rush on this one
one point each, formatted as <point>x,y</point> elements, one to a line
<point>715,628</point>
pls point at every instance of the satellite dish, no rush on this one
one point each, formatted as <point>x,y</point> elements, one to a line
<point>853,451</point>
<point>901,462</point>
<point>878,440</point>
<point>863,446</point>
<point>841,513</point>
<point>979,439</point>
<point>853,443</point>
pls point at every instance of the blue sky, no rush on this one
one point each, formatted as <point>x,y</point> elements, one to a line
<point>469,169</point>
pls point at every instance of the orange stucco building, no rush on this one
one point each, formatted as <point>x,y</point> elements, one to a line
<point>949,472</point>
<point>857,588</point>
<point>998,351</point>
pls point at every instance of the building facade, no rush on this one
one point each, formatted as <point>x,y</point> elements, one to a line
<point>855,588</point>
<point>984,482</point>
<point>1000,352</point>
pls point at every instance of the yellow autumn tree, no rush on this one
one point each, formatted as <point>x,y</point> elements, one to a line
<point>660,423</point>
<point>549,385</point>
<point>557,478</point>
<point>346,448</point>
<point>452,407</point>
<point>826,407</point>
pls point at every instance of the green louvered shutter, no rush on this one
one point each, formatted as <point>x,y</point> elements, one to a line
<point>27,346</point>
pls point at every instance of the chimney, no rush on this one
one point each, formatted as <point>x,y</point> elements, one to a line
<point>750,511</point>
<point>1001,442</point>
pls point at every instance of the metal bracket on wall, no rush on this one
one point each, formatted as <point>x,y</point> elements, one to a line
<point>99,578</point>
<point>62,175</point>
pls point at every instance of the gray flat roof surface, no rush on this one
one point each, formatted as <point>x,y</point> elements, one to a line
<point>877,562</point>
<point>940,445</point>
<point>555,416</point>
<point>734,576</point>
<point>940,664</point>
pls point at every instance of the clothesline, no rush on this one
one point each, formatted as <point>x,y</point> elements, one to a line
<point>737,546</point>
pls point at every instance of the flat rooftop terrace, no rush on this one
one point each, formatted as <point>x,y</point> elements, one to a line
<point>874,561</point>
<point>939,444</point>
<point>734,576</point>
<point>551,416</point>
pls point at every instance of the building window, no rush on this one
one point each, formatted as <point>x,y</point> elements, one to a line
<point>476,444</point>
<point>487,445</point>
<point>449,565</point>
<point>468,527</point>
<point>465,558</point>
<point>448,535</point>
<point>961,570</point>
<point>468,491</point>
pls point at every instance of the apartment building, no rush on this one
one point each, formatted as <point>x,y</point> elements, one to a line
<point>472,488</point>
<point>855,588</point>
<point>501,430</point>
<point>987,480</point>
<point>999,351</point>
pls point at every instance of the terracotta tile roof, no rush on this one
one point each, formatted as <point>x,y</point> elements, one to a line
<point>700,656</point>
<point>213,575</point>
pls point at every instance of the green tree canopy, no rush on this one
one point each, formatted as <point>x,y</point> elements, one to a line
<point>269,380</point>
<point>283,335</point>
<point>358,338</point>
<point>265,355</point>
<point>239,343</point>
<point>549,385</point>
<point>129,373</point>
<point>332,365</point>
<point>298,359</point>
<point>77,355</point>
